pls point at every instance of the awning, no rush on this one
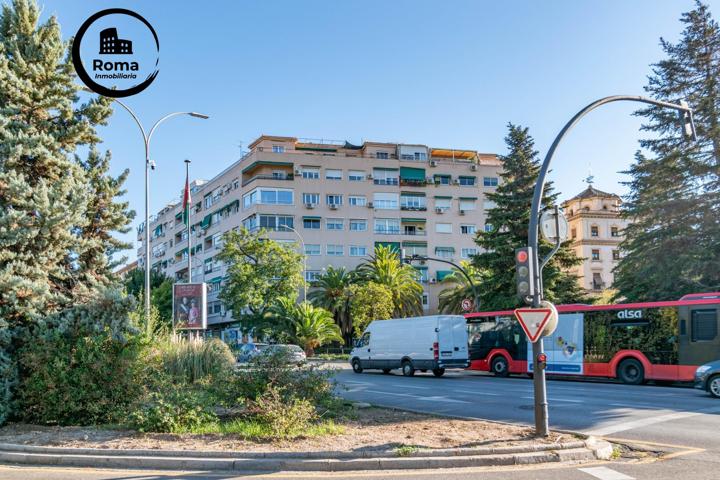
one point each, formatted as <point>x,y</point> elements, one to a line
<point>414,244</point>
<point>413,220</point>
<point>385,169</point>
<point>181,252</point>
<point>412,194</point>
<point>468,198</point>
<point>468,176</point>
<point>215,280</point>
<point>420,267</point>
<point>158,230</point>
<point>206,222</point>
<point>444,249</point>
<point>208,260</point>
<point>410,173</point>
<point>179,216</point>
<point>444,197</point>
<point>311,218</point>
<point>441,274</point>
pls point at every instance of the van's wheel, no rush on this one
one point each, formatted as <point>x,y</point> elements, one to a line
<point>713,386</point>
<point>386,371</point>
<point>631,371</point>
<point>438,372</point>
<point>408,369</point>
<point>357,368</point>
<point>499,366</point>
<point>423,370</point>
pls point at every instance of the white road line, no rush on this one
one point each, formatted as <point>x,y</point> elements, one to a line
<point>636,405</point>
<point>423,399</point>
<point>557,399</point>
<point>390,393</point>
<point>644,422</point>
<point>604,473</point>
<point>411,386</point>
<point>477,393</point>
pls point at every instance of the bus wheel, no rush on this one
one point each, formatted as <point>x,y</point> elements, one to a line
<point>408,369</point>
<point>500,366</point>
<point>357,368</point>
<point>438,372</point>
<point>631,371</point>
<point>713,386</point>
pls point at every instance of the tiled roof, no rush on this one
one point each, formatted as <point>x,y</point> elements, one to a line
<point>591,192</point>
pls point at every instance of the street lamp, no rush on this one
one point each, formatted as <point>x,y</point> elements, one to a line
<point>536,288</point>
<point>302,243</point>
<point>148,166</point>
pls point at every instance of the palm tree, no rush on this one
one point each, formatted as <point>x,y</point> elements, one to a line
<point>314,326</point>
<point>385,268</point>
<point>458,289</point>
<point>331,292</point>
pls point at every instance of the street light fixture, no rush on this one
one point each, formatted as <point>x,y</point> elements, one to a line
<point>149,165</point>
<point>302,242</point>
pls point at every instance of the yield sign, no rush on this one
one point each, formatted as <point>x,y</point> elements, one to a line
<point>533,321</point>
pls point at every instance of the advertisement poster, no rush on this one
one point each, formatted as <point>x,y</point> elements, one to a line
<point>190,306</point>
<point>564,348</point>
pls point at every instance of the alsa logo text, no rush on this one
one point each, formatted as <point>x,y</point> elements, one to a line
<point>629,314</point>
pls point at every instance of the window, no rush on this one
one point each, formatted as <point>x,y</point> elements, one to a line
<point>443,227</point>
<point>311,173</point>
<point>614,232</point>
<point>335,250</point>
<point>597,282</point>
<point>311,223</point>
<point>573,233</point>
<point>490,181</point>
<point>616,254</point>
<point>422,274</point>
<point>214,308</point>
<point>467,181</point>
<point>214,287</point>
<point>358,225</point>
<point>467,204</point>
<point>268,196</point>
<point>409,201</point>
<point>443,203</point>
<point>419,250</point>
<point>250,222</point>
<point>384,176</point>
<point>357,200</point>
<point>276,222</point>
<point>217,240</point>
<point>385,201</point>
<point>358,250</point>
<point>596,255</point>
<point>312,249</point>
<point>444,252</point>
<point>488,228</point>
<point>704,325</point>
<point>467,252</point>
<point>467,229</point>
<point>333,174</point>
<point>208,265</point>
<point>422,156</point>
<point>425,298</point>
<point>312,275</point>
<point>278,149</point>
<point>442,179</point>
<point>356,175</point>
<point>387,225</point>
<point>382,155</point>
<point>334,224</point>
<point>594,231</point>
<point>333,199</point>
<point>311,198</point>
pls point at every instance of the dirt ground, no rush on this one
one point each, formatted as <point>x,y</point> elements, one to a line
<point>371,429</point>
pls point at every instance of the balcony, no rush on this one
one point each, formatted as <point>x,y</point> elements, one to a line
<point>386,181</point>
<point>411,182</point>
<point>387,231</point>
<point>265,176</point>
<point>414,232</point>
<point>413,208</point>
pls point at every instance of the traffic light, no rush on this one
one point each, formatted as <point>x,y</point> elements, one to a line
<point>541,361</point>
<point>524,273</point>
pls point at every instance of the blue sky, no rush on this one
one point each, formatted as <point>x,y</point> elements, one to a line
<point>442,73</point>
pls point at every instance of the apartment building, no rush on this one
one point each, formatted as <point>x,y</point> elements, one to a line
<point>335,200</point>
<point>596,229</point>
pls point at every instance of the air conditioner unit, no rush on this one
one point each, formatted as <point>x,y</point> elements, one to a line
<point>309,205</point>
<point>433,280</point>
<point>439,210</point>
<point>333,206</point>
<point>462,212</point>
<point>430,180</point>
<point>298,171</point>
<point>473,167</point>
<point>369,176</point>
<point>433,163</point>
<point>456,181</point>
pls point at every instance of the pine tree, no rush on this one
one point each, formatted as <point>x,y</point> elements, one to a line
<point>673,245</point>
<point>44,193</point>
<point>509,219</point>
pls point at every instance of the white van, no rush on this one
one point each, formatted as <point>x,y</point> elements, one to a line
<point>434,343</point>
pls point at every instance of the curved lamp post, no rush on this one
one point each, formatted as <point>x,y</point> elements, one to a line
<point>302,242</point>
<point>536,294</point>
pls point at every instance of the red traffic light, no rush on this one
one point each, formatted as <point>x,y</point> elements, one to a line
<point>542,358</point>
<point>522,256</point>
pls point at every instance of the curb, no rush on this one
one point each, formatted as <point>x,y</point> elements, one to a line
<point>590,449</point>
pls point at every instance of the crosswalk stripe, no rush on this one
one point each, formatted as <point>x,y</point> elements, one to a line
<point>604,473</point>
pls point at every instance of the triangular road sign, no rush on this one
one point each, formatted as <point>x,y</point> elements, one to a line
<point>533,321</point>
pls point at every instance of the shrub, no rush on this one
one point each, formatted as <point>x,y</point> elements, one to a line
<point>286,417</point>
<point>192,360</point>
<point>173,410</point>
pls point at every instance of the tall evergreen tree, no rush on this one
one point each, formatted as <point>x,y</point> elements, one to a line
<point>509,219</point>
<point>45,195</point>
<point>673,245</point>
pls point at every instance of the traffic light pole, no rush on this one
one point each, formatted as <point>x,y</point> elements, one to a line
<point>536,292</point>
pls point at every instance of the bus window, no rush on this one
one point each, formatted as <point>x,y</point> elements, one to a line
<point>704,325</point>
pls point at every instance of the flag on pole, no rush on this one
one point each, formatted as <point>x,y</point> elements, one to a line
<point>186,200</point>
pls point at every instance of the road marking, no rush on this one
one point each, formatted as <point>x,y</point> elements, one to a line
<point>604,473</point>
<point>635,405</point>
<point>411,386</point>
<point>644,422</point>
<point>557,399</point>
<point>477,393</point>
<point>424,399</point>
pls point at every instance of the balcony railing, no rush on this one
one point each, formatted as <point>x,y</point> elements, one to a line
<point>415,233</point>
<point>289,176</point>
<point>414,208</point>
<point>386,181</point>
<point>387,231</point>
<point>413,183</point>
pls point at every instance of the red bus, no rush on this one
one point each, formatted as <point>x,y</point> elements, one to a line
<point>633,342</point>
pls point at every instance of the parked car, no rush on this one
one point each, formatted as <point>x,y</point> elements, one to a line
<point>434,343</point>
<point>249,350</point>
<point>707,377</point>
<point>296,355</point>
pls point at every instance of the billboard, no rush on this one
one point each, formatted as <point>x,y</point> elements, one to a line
<point>564,348</point>
<point>190,306</point>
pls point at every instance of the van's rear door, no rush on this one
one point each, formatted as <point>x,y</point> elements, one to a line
<point>460,338</point>
<point>445,338</point>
